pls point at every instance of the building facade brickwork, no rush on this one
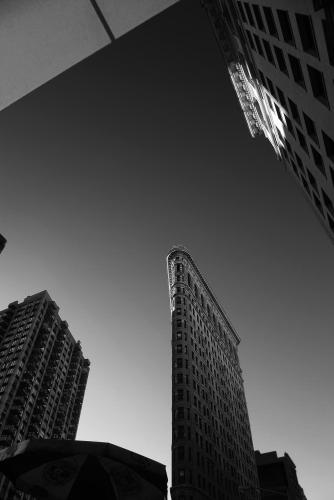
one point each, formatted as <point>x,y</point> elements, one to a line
<point>212,450</point>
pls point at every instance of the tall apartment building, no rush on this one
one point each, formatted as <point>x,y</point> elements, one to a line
<point>278,474</point>
<point>43,375</point>
<point>280,58</point>
<point>212,450</point>
<point>3,242</point>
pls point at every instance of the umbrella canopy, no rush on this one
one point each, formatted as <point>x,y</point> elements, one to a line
<point>73,470</point>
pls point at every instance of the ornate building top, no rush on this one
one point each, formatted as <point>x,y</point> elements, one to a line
<point>208,291</point>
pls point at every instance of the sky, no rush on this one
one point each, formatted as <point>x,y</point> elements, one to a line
<point>138,148</point>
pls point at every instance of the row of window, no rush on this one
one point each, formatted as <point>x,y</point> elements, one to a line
<point>216,379</point>
<point>224,398</point>
<point>219,370</point>
<point>209,355</point>
<point>265,21</point>
<point>228,485</point>
<point>205,306</point>
<point>316,77</point>
<point>299,171</point>
<point>307,122</point>
<point>196,315</point>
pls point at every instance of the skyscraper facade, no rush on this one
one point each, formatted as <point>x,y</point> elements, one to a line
<point>43,375</point>
<point>212,450</point>
<point>280,58</point>
<point>3,242</point>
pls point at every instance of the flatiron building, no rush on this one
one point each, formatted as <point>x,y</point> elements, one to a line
<point>212,449</point>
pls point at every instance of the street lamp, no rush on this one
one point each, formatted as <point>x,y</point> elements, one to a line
<point>243,489</point>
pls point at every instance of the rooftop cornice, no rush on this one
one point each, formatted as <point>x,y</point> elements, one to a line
<point>182,249</point>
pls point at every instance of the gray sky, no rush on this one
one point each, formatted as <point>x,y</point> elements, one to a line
<point>138,148</point>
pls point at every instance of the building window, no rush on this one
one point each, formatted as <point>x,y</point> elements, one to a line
<point>312,180</point>
<point>263,81</point>
<point>328,202</point>
<point>329,38</point>
<point>270,21</point>
<point>242,12</point>
<point>318,161</point>
<point>332,174</point>
<point>294,111</point>
<point>268,51</point>
<point>271,87</point>
<point>306,186</point>
<point>281,60</point>
<point>258,45</point>
<point>250,39</point>
<point>302,141</point>
<point>282,139</point>
<point>318,204</point>
<point>288,146</point>
<point>330,222</point>
<point>249,15</point>
<point>278,112</point>
<point>179,395</point>
<point>284,21</point>
<point>258,17</point>
<point>281,97</point>
<point>297,71</point>
<point>179,362</point>
<point>179,414</point>
<point>311,128</point>
<point>306,33</point>
<point>180,453</point>
<point>329,145</point>
<point>289,125</point>
<point>294,168</point>
<point>318,85</point>
<point>299,163</point>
